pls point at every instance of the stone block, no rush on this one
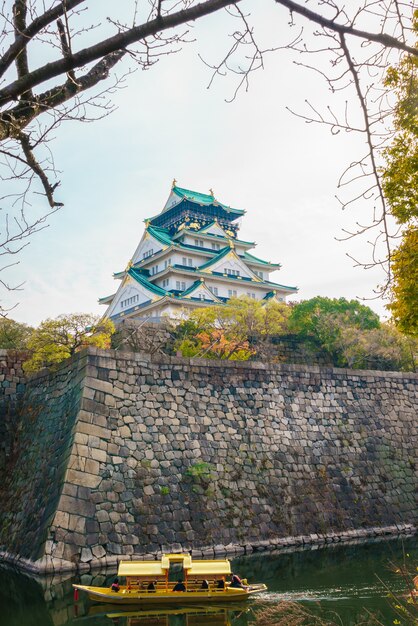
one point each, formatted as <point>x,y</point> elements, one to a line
<point>99,385</point>
<point>83,478</point>
<point>86,555</point>
<point>77,523</point>
<point>98,551</point>
<point>110,401</point>
<point>61,519</point>
<point>92,466</point>
<point>98,455</point>
<point>96,431</point>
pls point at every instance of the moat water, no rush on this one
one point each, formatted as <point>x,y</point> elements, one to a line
<point>344,582</point>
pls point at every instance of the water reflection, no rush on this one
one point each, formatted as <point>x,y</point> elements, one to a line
<point>342,578</point>
<point>178,616</point>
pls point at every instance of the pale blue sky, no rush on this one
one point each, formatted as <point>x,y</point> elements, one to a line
<point>252,152</point>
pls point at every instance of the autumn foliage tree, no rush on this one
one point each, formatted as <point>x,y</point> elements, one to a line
<point>224,331</point>
<point>57,339</point>
<point>404,303</point>
<point>400,184</point>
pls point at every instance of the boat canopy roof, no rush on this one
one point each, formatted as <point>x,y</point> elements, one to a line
<point>140,568</point>
<point>210,568</point>
<point>147,569</point>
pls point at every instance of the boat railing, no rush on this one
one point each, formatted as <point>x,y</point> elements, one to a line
<point>194,586</point>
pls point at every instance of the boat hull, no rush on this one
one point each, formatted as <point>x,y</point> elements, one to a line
<point>125,596</point>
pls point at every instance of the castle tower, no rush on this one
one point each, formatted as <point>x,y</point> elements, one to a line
<point>190,256</point>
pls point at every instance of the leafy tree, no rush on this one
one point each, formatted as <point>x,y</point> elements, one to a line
<point>400,184</point>
<point>57,339</point>
<point>352,334</point>
<point>326,318</point>
<point>13,335</point>
<point>307,316</point>
<point>404,304</point>
<point>224,332</point>
<point>384,348</point>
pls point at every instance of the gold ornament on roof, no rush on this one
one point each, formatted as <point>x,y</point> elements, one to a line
<point>230,233</point>
<point>128,267</point>
<point>194,225</point>
<point>212,193</point>
<point>174,183</point>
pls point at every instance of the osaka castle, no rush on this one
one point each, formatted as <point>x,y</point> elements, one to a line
<point>190,255</point>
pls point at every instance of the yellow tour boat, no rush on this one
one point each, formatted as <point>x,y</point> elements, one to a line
<point>147,582</point>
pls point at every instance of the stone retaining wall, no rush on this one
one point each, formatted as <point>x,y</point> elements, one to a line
<point>159,454</point>
<point>38,457</point>
<point>12,386</point>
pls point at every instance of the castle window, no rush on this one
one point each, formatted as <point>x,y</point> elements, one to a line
<point>184,261</point>
<point>251,295</point>
<point>190,262</point>
<point>201,296</point>
<point>129,301</point>
<point>214,290</point>
<point>148,253</point>
<point>183,286</point>
<point>231,272</point>
<point>178,285</point>
<point>232,292</point>
<point>215,246</point>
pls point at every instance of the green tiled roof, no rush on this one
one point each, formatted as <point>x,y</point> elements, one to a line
<point>202,198</point>
<point>160,234</point>
<point>106,299</point>
<point>266,282</point>
<point>251,257</point>
<point>192,287</point>
<point>140,278</point>
<point>200,233</point>
<point>216,258</point>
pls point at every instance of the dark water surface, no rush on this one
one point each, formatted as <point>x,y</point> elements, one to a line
<point>345,579</point>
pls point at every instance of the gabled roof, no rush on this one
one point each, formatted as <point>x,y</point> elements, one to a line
<point>160,234</point>
<point>215,259</point>
<point>278,286</point>
<point>222,232</point>
<point>251,258</point>
<point>210,236</point>
<point>107,299</point>
<point>223,253</point>
<point>202,198</point>
<point>140,278</point>
<point>198,284</point>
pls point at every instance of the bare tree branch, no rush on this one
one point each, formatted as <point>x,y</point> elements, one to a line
<point>112,44</point>
<point>382,38</point>
<point>32,30</point>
